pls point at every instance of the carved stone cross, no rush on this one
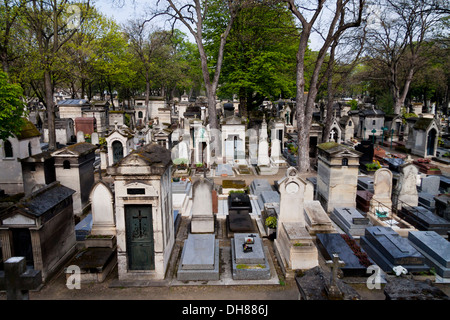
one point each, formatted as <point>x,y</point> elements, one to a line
<point>17,280</point>
<point>335,263</point>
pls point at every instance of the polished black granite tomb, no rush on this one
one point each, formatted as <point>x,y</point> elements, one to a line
<point>331,243</point>
<point>239,209</point>
<point>424,220</point>
<point>388,249</point>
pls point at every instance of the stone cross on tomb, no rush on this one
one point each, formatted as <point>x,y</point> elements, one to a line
<point>17,280</point>
<point>332,133</point>
<point>333,290</point>
<point>140,231</point>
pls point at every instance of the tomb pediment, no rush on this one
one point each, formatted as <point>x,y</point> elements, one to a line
<point>18,218</point>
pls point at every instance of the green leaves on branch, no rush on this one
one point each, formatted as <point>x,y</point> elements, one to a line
<point>12,108</point>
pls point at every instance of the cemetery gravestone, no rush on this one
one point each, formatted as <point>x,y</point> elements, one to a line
<point>430,184</point>
<point>239,207</point>
<point>17,280</point>
<point>442,202</point>
<point>249,260</point>
<point>351,221</point>
<point>199,259</point>
<point>330,243</point>
<point>424,219</point>
<point>95,138</point>
<point>406,189</point>
<point>293,242</point>
<point>428,190</point>
<point>382,189</point>
<point>102,206</point>
<point>388,249</point>
<point>400,288</point>
<point>202,220</point>
<point>332,289</point>
<point>365,184</point>
<point>316,219</point>
<point>436,251</point>
<point>363,200</point>
<point>80,136</point>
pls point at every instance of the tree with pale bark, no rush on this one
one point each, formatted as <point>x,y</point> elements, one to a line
<point>398,41</point>
<point>342,15</point>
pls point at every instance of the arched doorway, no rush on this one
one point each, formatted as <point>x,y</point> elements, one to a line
<point>431,141</point>
<point>117,148</point>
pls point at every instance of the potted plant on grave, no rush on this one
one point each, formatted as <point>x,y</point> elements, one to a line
<point>271,224</point>
<point>373,166</point>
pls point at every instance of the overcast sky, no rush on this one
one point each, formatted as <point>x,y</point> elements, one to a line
<point>136,9</point>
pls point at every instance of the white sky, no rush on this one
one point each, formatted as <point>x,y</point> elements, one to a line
<point>136,9</point>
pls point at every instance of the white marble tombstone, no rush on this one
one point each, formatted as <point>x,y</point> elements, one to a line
<point>382,185</point>
<point>263,153</point>
<point>202,220</point>
<point>95,138</point>
<point>102,206</point>
<point>80,136</point>
<point>252,135</point>
<point>293,242</point>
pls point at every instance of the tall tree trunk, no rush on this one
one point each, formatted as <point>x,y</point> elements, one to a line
<point>302,133</point>
<point>147,94</point>
<point>50,110</point>
<point>400,98</point>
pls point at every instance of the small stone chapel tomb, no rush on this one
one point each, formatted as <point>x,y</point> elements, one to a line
<point>337,176</point>
<point>143,213</point>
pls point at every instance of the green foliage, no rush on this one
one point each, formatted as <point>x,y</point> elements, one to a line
<point>386,102</point>
<point>12,108</point>
<point>353,104</point>
<point>271,222</point>
<point>259,58</point>
<point>373,166</point>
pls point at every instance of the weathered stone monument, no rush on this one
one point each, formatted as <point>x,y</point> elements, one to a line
<point>17,280</point>
<point>381,201</point>
<point>44,223</point>
<point>102,206</point>
<point>351,221</point>
<point>337,176</point>
<point>317,220</point>
<point>406,188</point>
<point>74,169</point>
<point>293,243</point>
<point>263,146</point>
<point>202,220</point>
<point>143,213</point>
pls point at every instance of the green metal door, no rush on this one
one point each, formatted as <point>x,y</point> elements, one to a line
<point>140,245</point>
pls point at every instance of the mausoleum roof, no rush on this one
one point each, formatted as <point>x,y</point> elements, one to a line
<point>45,199</point>
<point>28,130</point>
<point>78,149</point>
<point>423,123</point>
<point>152,155</point>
